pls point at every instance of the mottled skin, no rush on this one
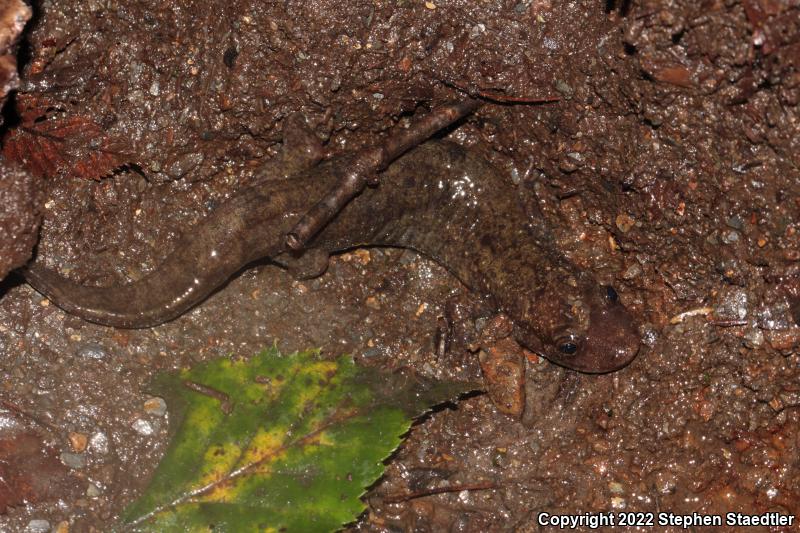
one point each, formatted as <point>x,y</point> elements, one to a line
<point>438,199</point>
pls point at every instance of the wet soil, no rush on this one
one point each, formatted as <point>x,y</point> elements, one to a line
<point>667,167</point>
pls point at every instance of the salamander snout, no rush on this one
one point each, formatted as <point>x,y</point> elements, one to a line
<point>604,339</point>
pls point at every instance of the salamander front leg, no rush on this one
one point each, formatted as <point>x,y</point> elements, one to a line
<point>300,151</point>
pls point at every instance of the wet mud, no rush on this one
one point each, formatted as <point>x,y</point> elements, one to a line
<point>667,167</point>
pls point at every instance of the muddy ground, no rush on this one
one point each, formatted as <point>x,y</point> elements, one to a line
<point>668,166</point>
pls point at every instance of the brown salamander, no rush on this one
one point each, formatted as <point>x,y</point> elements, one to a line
<point>438,199</point>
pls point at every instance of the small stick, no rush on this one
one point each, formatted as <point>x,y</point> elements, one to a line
<point>224,400</point>
<point>508,99</point>
<point>24,414</point>
<point>728,323</point>
<point>399,498</point>
<point>368,163</point>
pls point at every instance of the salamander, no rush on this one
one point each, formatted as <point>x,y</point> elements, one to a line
<point>439,199</point>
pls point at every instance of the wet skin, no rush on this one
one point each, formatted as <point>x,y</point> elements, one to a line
<point>438,199</point>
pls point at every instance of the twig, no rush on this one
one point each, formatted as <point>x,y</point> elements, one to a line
<point>368,163</point>
<point>24,414</point>
<point>399,498</point>
<point>224,400</point>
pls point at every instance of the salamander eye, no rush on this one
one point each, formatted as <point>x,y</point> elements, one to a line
<point>611,294</point>
<point>567,345</point>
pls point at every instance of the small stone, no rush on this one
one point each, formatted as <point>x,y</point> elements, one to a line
<point>363,255</point>
<point>372,303</point>
<point>564,88</point>
<point>91,350</point>
<point>37,526</point>
<point>754,338</point>
<point>729,237</point>
<point>649,334</point>
<point>624,222</point>
<point>93,491</point>
<point>477,30</point>
<point>372,352</point>
<point>78,441</point>
<point>62,527</point>
<point>775,316</point>
<point>430,5</point>
<point>75,461</point>
<point>142,427</point>
<point>98,442</point>
<point>633,271</point>
<point>734,304</point>
<point>616,487</point>
<point>155,406</point>
<point>776,404</point>
<point>503,367</point>
<point>735,222</point>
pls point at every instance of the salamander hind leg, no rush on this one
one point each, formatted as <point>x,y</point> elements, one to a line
<point>312,263</point>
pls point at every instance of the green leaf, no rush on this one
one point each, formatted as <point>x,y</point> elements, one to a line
<point>277,443</point>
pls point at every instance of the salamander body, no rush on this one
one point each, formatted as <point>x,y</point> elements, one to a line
<point>438,199</point>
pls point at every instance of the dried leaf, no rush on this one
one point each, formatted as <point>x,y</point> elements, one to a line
<point>48,143</point>
<point>31,472</point>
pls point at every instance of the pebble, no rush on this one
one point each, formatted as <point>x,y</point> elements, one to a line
<point>564,88</point>
<point>372,352</point>
<point>363,256</point>
<point>98,442</point>
<point>73,460</point>
<point>735,222</point>
<point>649,334</point>
<point>78,441</point>
<point>775,316</point>
<point>155,406</point>
<point>91,350</point>
<point>477,30</point>
<point>729,237</point>
<point>37,526</point>
<point>142,427</point>
<point>634,270</point>
<point>754,338</point>
<point>93,491</point>
<point>624,222</point>
<point>372,302</point>
<point>733,305</point>
<point>616,488</point>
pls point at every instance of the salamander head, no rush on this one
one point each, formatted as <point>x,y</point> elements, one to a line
<point>591,331</point>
